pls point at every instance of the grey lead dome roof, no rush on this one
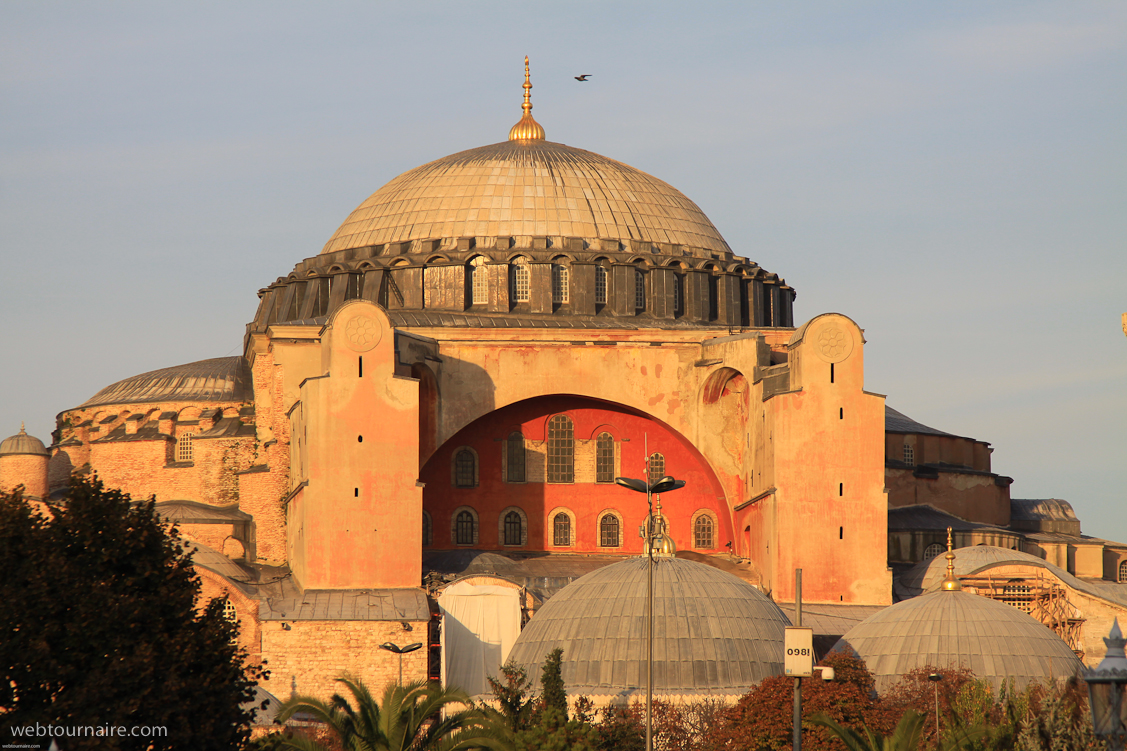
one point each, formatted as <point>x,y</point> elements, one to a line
<point>220,379</point>
<point>995,641</point>
<point>22,443</point>
<point>713,633</point>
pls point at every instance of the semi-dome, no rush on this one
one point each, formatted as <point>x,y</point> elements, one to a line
<point>22,443</point>
<point>528,188</point>
<point>220,379</point>
<point>713,633</point>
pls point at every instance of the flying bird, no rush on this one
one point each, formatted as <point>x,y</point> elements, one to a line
<point>584,77</point>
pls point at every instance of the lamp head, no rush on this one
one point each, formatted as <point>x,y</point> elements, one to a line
<point>391,647</point>
<point>631,483</point>
<point>667,485</point>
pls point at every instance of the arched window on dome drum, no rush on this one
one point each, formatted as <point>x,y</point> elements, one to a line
<point>560,293</point>
<point>600,285</point>
<point>678,294</point>
<point>354,283</point>
<point>561,449</point>
<point>639,290</point>
<point>909,455</point>
<point>561,530</point>
<point>479,283</point>
<point>933,550</point>
<point>515,457</point>
<point>465,469</point>
<point>464,530</point>
<point>604,458</point>
<point>655,468</point>
<point>513,528</point>
<point>609,536</point>
<point>704,537</point>
<point>520,280</point>
<point>713,297</point>
<point>184,448</point>
<point>1123,571</point>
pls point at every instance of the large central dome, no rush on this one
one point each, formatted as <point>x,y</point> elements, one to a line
<point>527,188</point>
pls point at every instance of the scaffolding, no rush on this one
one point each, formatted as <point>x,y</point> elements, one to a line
<point>1044,599</point>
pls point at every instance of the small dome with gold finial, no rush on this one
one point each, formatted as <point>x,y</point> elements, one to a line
<point>527,129</point>
<point>950,628</point>
<point>22,443</point>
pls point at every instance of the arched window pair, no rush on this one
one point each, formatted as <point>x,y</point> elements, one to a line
<point>513,527</point>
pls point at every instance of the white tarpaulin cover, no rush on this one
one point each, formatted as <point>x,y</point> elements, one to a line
<point>479,626</point>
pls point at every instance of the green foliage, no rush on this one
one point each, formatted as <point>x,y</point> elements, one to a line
<point>418,716</point>
<point>513,694</point>
<point>554,732</point>
<point>551,682</point>
<point>905,737</point>
<point>98,627</point>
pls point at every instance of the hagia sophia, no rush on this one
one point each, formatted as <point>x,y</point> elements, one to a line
<point>420,440</point>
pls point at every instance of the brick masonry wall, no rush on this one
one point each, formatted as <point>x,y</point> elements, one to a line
<point>315,653</point>
<point>246,610</point>
<point>28,470</point>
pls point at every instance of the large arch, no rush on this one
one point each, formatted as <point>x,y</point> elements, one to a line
<point>637,435</point>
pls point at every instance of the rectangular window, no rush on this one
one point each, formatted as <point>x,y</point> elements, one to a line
<point>600,285</point>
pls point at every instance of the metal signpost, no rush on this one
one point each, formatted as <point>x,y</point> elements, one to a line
<point>798,656</point>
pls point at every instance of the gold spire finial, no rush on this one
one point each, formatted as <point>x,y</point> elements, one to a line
<point>659,537</point>
<point>527,129</point>
<point>950,583</point>
<point>21,426</point>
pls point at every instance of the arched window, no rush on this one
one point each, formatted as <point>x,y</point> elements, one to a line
<point>655,468</point>
<point>600,285</point>
<point>428,529</point>
<point>479,283</point>
<point>604,458</point>
<point>909,455</point>
<point>933,550</point>
<point>465,469</point>
<point>1123,571</point>
<point>515,458</point>
<point>639,290</point>
<point>609,533</point>
<point>713,296</point>
<point>560,288</point>
<point>465,528</point>
<point>561,530</point>
<point>519,278</point>
<point>561,449</point>
<point>704,533</point>
<point>184,448</point>
<point>514,529</point>
<point>678,294</point>
<point>229,612</point>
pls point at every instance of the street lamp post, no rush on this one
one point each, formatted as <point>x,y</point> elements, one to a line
<point>400,651</point>
<point>935,678</point>
<point>664,485</point>
<point>1106,685</point>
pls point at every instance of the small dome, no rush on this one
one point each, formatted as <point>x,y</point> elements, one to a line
<point>714,634</point>
<point>22,443</point>
<point>995,641</point>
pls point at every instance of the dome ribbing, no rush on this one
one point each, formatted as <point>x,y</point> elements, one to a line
<point>714,634</point>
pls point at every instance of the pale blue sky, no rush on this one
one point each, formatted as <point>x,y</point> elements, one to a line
<point>953,176</point>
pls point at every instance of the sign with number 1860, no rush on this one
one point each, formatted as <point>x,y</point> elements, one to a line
<point>798,652</point>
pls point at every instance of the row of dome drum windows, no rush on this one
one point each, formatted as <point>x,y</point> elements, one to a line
<point>319,295</point>
<point>513,529</point>
<point>560,459</point>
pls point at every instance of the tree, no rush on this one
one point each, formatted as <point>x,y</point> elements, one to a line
<point>513,694</point>
<point>99,628</point>
<point>414,717</point>
<point>551,682</point>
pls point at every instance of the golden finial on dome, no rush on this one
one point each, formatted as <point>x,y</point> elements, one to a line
<point>527,129</point>
<point>663,545</point>
<point>950,583</point>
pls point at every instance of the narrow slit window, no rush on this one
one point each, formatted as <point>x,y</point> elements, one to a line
<point>841,413</point>
<point>360,367</point>
<point>356,492</point>
<point>841,489</point>
<point>841,533</point>
<point>831,372</point>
